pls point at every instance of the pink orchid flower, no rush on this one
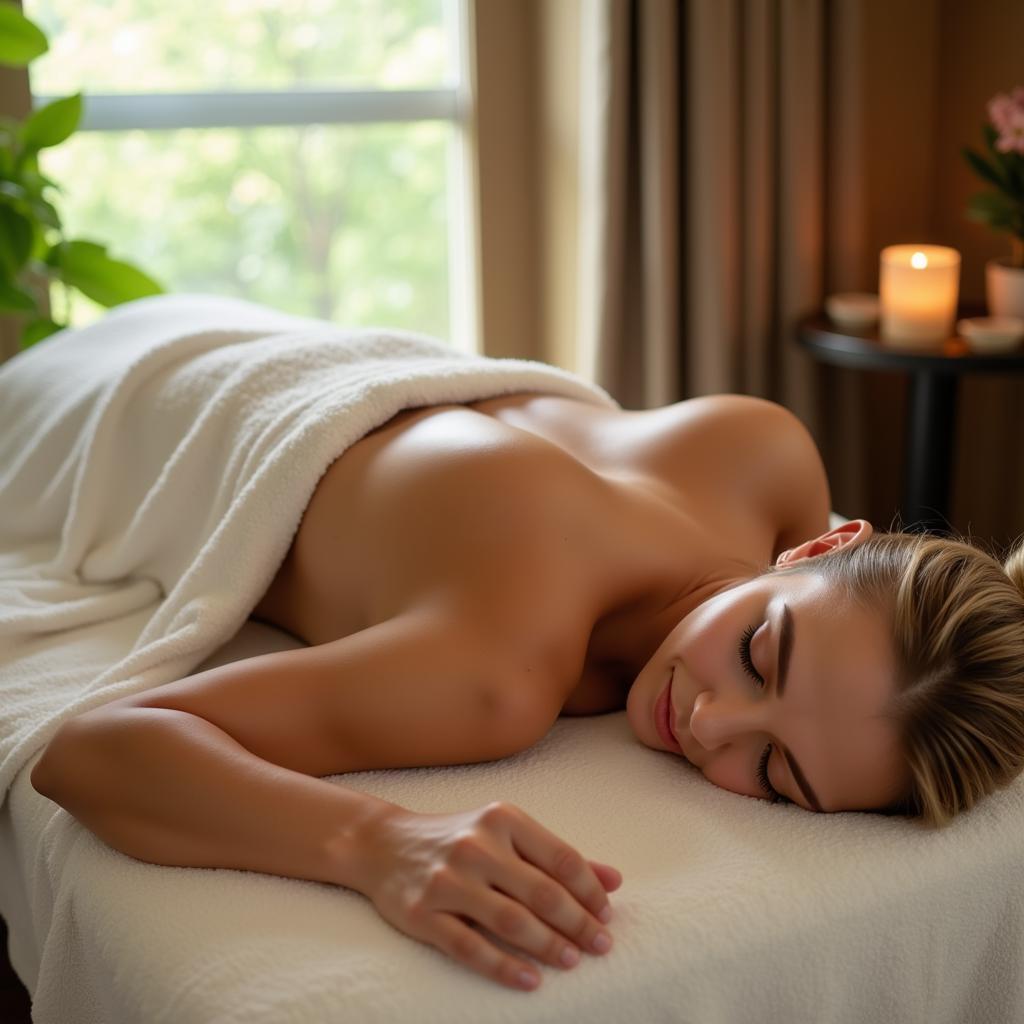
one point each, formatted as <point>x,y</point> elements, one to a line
<point>1006,112</point>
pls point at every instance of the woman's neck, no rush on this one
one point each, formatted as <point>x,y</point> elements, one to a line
<point>630,634</point>
<point>660,563</point>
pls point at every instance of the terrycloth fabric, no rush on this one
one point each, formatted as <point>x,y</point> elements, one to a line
<point>154,468</point>
<point>731,910</point>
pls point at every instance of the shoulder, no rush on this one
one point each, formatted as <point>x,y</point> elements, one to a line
<point>786,472</point>
<point>712,427</point>
<point>762,454</point>
<point>732,416</point>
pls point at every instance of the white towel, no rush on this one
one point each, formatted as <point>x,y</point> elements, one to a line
<point>154,468</point>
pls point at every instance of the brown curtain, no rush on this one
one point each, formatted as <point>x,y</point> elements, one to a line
<point>629,193</point>
<point>742,159</point>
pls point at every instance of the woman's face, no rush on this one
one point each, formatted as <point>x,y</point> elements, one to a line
<point>786,663</point>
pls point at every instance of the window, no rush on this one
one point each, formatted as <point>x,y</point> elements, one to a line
<point>306,154</point>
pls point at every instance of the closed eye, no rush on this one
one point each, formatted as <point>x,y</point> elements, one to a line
<point>762,766</point>
<point>745,659</point>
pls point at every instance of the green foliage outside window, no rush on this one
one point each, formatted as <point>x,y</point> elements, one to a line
<point>347,222</point>
<point>34,249</point>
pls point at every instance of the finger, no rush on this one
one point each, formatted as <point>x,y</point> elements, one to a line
<point>466,945</point>
<point>516,924</point>
<point>554,904</point>
<point>608,876</point>
<point>557,859</point>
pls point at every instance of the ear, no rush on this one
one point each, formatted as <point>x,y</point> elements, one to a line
<point>854,532</point>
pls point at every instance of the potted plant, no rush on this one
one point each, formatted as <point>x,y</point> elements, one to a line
<point>1003,209</point>
<point>34,252</point>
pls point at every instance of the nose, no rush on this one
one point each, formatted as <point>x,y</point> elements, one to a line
<point>717,720</point>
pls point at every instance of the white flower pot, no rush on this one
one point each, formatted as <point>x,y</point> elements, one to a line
<point>1004,288</point>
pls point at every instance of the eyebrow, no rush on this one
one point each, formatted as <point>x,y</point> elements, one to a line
<point>781,671</point>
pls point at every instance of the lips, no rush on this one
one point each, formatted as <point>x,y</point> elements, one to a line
<point>664,719</point>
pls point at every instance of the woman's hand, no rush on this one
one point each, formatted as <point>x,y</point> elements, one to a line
<point>433,876</point>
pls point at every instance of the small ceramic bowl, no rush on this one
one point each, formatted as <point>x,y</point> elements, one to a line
<point>992,333</point>
<point>855,310</point>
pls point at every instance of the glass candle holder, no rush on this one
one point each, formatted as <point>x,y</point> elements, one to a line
<point>918,286</point>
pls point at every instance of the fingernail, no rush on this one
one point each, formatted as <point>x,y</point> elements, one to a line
<point>528,980</point>
<point>602,943</point>
<point>605,916</point>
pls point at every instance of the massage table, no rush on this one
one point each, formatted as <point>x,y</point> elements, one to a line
<point>731,909</point>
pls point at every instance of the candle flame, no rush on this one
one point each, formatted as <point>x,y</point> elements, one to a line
<point>919,261</point>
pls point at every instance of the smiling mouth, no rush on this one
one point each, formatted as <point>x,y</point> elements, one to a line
<point>664,719</point>
<point>673,722</point>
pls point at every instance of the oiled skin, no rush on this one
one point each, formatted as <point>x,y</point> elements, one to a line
<point>669,494</point>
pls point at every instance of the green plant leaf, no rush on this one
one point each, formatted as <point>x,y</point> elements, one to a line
<point>1010,165</point>
<point>40,247</point>
<point>15,240</point>
<point>13,190</point>
<point>21,40</point>
<point>46,182</point>
<point>9,129</point>
<point>27,162</point>
<point>36,330</point>
<point>86,266</point>
<point>45,212</point>
<point>984,169</point>
<point>30,205</point>
<point>52,124</point>
<point>993,209</point>
<point>36,203</point>
<point>57,253</point>
<point>14,299</point>
<point>1013,163</point>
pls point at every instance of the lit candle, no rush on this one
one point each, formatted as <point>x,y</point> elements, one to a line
<point>919,286</point>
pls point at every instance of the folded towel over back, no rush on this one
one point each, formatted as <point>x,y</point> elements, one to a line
<point>154,468</point>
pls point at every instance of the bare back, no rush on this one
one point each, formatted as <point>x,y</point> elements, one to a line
<point>439,496</point>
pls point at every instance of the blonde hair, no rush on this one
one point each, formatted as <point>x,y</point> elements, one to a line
<point>957,618</point>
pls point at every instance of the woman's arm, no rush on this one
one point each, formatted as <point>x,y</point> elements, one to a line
<point>214,771</point>
<point>168,787</point>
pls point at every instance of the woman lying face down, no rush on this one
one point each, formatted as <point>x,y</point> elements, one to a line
<point>862,671</point>
<point>489,579</point>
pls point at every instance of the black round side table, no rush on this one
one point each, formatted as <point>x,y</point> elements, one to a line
<point>934,375</point>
